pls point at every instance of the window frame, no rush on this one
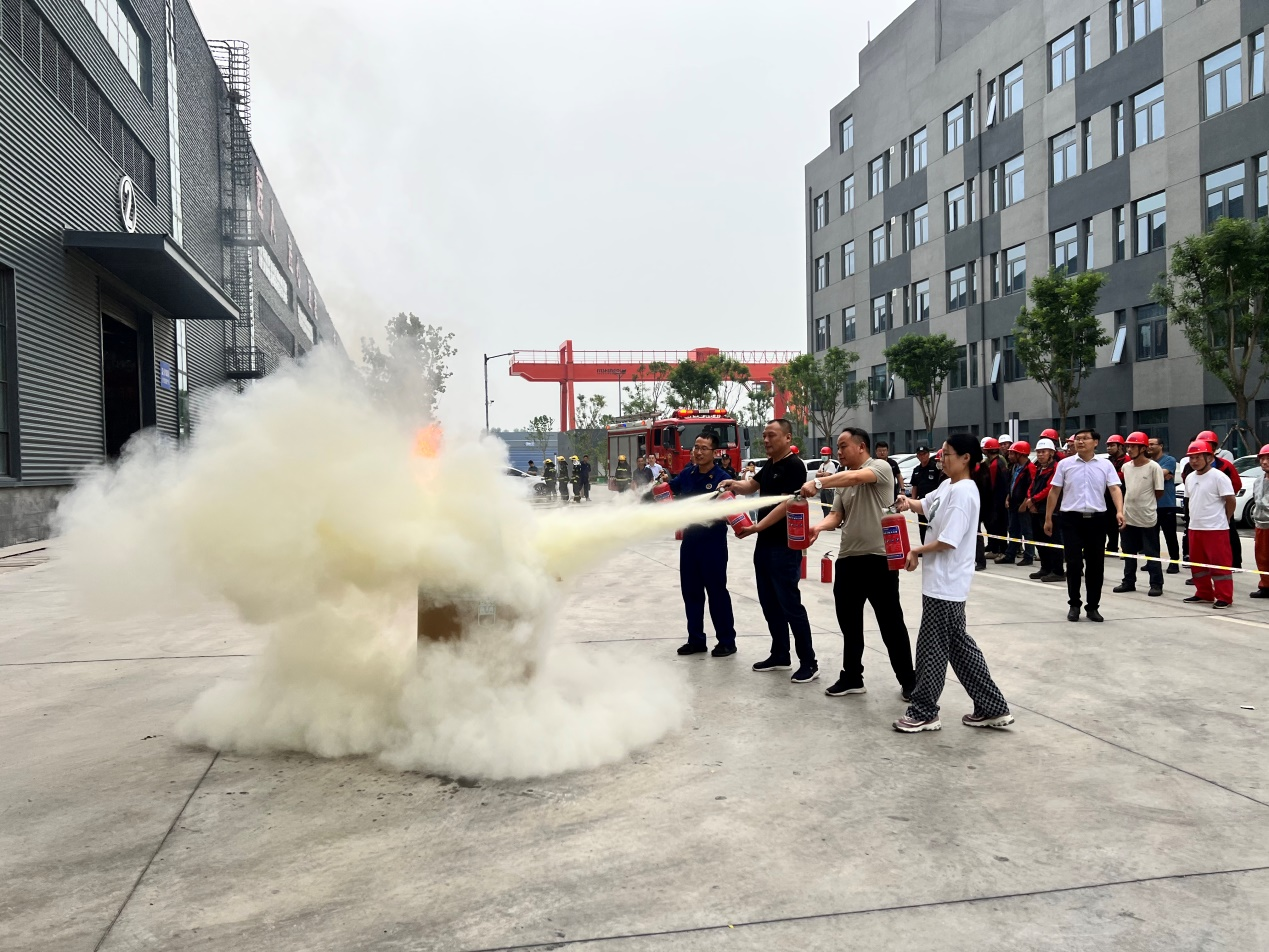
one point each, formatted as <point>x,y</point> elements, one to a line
<point>1146,108</point>
<point>823,333</point>
<point>1157,324</point>
<point>954,119</point>
<point>1155,217</point>
<point>878,244</point>
<point>879,325</point>
<point>1148,14</point>
<point>962,203</point>
<point>1013,181</point>
<point>1062,59</point>
<point>1220,77</point>
<point>1224,182</point>
<point>1012,93</point>
<point>848,258</point>
<point>958,288</point>
<point>10,430</point>
<point>920,225</point>
<point>878,176</point>
<point>821,272</point>
<point>847,194</point>
<point>1063,155</point>
<point>845,131</point>
<point>921,301</point>
<point>1256,64</point>
<point>820,211</point>
<point>1061,242</point>
<point>1014,269</point>
<point>849,328</point>
<point>918,150</point>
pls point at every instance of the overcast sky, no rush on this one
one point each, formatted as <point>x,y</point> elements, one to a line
<point>625,175</point>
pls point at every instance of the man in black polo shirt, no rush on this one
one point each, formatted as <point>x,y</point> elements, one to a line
<point>925,478</point>
<point>776,566</point>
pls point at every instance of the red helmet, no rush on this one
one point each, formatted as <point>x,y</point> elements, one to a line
<point>1264,450</point>
<point>1199,446</point>
<point>1049,434</point>
<point>1116,438</point>
<point>793,450</point>
<point>1207,436</point>
<point>990,443</point>
<point>1021,446</point>
<point>825,451</point>
<point>1137,438</point>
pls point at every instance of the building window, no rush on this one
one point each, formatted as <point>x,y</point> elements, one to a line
<point>1062,59</point>
<point>1153,423</point>
<point>1062,155</point>
<point>1117,121</point>
<point>958,288</point>
<point>848,259</point>
<point>1151,216</point>
<point>877,241</point>
<point>1089,260</point>
<point>1014,370</point>
<point>1015,181</point>
<point>821,272</point>
<point>1152,332</point>
<point>973,368</point>
<point>1223,191</point>
<point>1015,268</point>
<point>1257,43</point>
<point>848,324</point>
<point>1086,137</point>
<point>821,211</point>
<point>1121,238</point>
<point>1011,92</point>
<point>921,300</point>
<point>1147,116</point>
<point>846,133</point>
<point>1118,37</point>
<point>877,383</point>
<point>1086,42</point>
<point>920,225</point>
<point>128,41</point>
<point>958,207</point>
<point>7,408</point>
<point>1222,81</point>
<point>1262,186</point>
<point>822,336</point>
<point>954,127</point>
<point>877,174</point>
<point>1066,249</point>
<point>918,150</point>
<point>880,313</point>
<point>958,379</point>
<point>848,194</point>
<point>1147,16</point>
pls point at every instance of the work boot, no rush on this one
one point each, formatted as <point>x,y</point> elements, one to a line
<point>1038,575</point>
<point>692,647</point>
<point>1025,562</point>
<point>723,651</point>
<point>1124,587</point>
<point>1259,593</point>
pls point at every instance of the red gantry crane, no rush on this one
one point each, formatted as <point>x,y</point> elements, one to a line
<point>567,367</point>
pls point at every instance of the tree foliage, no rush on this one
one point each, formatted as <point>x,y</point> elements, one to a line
<point>1215,293</point>
<point>589,436</point>
<point>412,374</point>
<point>924,361</point>
<point>646,396</point>
<point>540,429</point>
<point>820,391</point>
<point>1057,337</point>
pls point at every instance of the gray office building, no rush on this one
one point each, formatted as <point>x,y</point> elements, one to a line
<point>144,259</point>
<point>989,140</point>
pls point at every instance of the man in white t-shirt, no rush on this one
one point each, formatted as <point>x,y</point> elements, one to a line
<point>828,466</point>
<point>1143,487</point>
<point>1209,498</point>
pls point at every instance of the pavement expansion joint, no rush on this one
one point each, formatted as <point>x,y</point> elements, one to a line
<point>904,907</point>
<point>190,657</point>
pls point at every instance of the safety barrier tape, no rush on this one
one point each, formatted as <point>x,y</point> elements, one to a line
<point>1121,554</point>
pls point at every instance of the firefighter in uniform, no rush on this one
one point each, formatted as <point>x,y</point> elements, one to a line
<point>703,556</point>
<point>548,475</point>
<point>561,469</point>
<point>576,465</point>
<point>621,475</point>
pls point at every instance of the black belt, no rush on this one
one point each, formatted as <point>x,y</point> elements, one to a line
<point>1084,515</point>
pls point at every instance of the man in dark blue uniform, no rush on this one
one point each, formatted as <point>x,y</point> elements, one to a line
<point>703,556</point>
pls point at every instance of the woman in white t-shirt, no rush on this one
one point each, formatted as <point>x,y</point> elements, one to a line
<point>947,570</point>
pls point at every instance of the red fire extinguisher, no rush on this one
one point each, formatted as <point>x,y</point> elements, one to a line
<point>797,521</point>
<point>826,567</point>
<point>738,521</point>
<point>661,492</point>
<point>894,531</point>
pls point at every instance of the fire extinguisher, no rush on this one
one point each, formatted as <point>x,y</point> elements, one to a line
<point>797,521</point>
<point>738,521</point>
<point>826,567</point>
<point>894,532</point>
<point>661,492</point>
<point>802,567</point>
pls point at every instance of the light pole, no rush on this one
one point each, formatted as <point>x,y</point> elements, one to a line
<point>489,357</point>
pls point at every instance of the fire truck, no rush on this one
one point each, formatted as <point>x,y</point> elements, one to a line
<point>671,439</point>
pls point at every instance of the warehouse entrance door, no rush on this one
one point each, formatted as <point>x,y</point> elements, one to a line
<point>120,382</point>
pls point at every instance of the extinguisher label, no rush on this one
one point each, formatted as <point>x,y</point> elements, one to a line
<point>797,526</point>
<point>894,543</point>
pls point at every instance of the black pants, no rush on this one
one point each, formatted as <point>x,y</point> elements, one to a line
<point>868,578</point>
<point>1146,541</point>
<point>1084,544</point>
<point>777,569</point>
<point>702,572</point>
<point>923,526</point>
<point>1167,526</point>
<point>826,500</point>
<point>1050,558</point>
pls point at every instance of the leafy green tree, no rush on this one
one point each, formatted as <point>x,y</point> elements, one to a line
<point>924,361</point>
<point>1215,292</point>
<point>646,395</point>
<point>694,384</point>
<point>540,429</point>
<point>820,391</point>
<point>412,374</point>
<point>589,436</point>
<point>758,403</point>
<point>1057,337</point>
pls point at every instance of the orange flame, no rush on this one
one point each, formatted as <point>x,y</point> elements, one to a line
<point>427,441</point>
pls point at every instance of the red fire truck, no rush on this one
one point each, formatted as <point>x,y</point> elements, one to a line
<point>671,439</point>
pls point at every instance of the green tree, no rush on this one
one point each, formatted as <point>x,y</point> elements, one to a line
<point>1057,337</point>
<point>758,403</point>
<point>819,391</point>
<point>924,361</point>
<point>734,383</point>
<point>645,396</point>
<point>589,436</point>
<point>1215,292</point>
<point>412,374</point>
<point>540,429</point>
<point>694,384</point>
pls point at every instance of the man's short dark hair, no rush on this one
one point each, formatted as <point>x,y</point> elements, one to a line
<point>881,443</point>
<point>711,436</point>
<point>860,435</point>
<point>1091,432</point>
<point>783,424</point>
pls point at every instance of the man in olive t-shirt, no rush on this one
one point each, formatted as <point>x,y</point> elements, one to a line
<point>865,489</point>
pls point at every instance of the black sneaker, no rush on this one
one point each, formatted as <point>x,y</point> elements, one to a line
<point>1259,593</point>
<point>1038,575</point>
<point>1073,614</point>
<point>1174,570</point>
<point>1155,591</point>
<point>1025,562</point>
<point>692,648</point>
<point>723,651</point>
<point>1190,581</point>
<point>805,674</point>
<point>842,687</point>
<point>1219,604</point>
<point>1053,577</point>
<point>906,693</point>
<point>1195,598</point>
<point>1123,587</point>
<point>1093,614</point>
<point>771,664</point>
<point>980,566</point>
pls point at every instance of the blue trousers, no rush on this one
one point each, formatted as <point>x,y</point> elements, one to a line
<point>703,572</point>
<point>1020,528</point>
<point>777,569</point>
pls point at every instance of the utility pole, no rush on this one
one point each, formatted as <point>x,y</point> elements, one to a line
<point>489,357</point>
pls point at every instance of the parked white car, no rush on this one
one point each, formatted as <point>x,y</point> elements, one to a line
<point>531,484</point>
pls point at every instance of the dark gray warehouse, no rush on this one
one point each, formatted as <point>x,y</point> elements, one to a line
<point>144,259</point>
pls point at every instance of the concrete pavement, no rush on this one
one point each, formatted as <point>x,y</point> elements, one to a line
<point>1127,809</point>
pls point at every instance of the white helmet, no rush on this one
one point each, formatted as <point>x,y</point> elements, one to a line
<point>1005,438</point>
<point>1046,444</point>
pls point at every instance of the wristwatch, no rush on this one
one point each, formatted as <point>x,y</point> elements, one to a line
<point>819,484</point>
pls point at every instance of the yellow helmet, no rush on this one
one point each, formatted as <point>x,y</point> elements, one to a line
<point>621,457</point>
<point>574,458</point>
<point>561,456</point>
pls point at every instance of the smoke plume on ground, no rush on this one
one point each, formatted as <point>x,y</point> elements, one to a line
<point>303,506</point>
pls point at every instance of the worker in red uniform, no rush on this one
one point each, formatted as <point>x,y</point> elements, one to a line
<point>1052,434</point>
<point>1209,496</point>
<point>1228,468</point>
<point>1021,473</point>
<point>1051,569</point>
<point>1118,456</point>
<point>994,515</point>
